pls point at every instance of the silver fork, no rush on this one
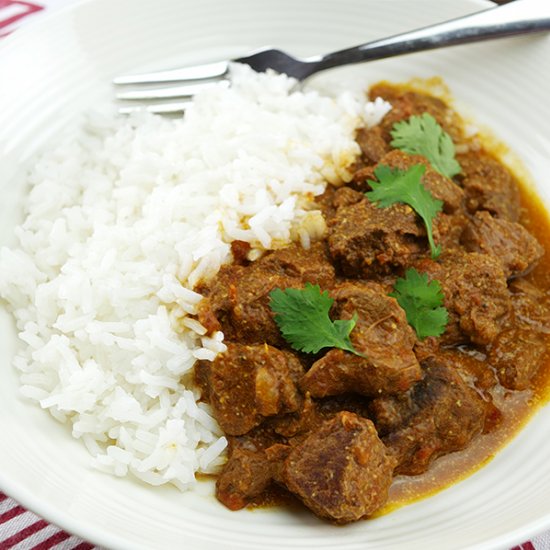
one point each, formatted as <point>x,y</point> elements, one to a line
<point>515,18</point>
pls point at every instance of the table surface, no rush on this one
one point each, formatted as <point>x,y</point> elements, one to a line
<point>19,528</point>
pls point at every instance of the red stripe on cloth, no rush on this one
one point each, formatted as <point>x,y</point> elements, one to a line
<point>11,513</point>
<point>28,5</point>
<point>58,537</point>
<point>3,497</point>
<point>27,9</point>
<point>24,533</point>
<point>84,546</point>
<point>525,546</point>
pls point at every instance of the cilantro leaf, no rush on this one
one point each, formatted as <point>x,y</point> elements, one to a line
<point>422,135</point>
<point>302,316</point>
<point>404,186</point>
<point>422,302</point>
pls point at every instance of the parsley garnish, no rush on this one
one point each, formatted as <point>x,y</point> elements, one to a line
<point>302,317</point>
<point>396,185</point>
<point>422,135</point>
<point>422,302</point>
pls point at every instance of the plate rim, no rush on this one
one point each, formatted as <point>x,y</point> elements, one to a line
<point>83,528</point>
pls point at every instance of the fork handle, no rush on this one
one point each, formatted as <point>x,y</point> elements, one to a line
<point>518,17</point>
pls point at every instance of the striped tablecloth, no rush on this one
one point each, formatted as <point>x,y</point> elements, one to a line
<point>19,528</point>
<point>23,530</point>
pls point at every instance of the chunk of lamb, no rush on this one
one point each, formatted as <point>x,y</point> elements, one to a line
<point>391,412</point>
<point>488,185</point>
<point>237,301</point>
<point>448,224</point>
<point>509,242</point>
<point>448,230</point>
<point>439,186</point>
<point>518,351</point>
<point>372,144</point>
<point>449,414</point>
<point>246,384</point>
<point>382,335</point>
<point>476,295</point>
<point>342,471</point>
<point>255,460</point>
<point>364,238</point>
<point>406,103</point>
<point>313,413</point>
<point>245,476</point>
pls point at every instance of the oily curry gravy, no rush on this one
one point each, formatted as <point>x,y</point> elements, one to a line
<point>356,434</point>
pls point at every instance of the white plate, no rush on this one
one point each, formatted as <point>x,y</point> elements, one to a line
<point>62,66</point>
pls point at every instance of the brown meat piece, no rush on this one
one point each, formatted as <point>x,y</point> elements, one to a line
<point>255,460</point>
<point>299,422</point>
<point>518,352</point>
<point>448,230</point>
<point>472,364</point>
<point>364,239</point>
<point>449,414</point>
<point>342,471</point>
<point>239,251</point>
<point>476,295</point>
<point>439,186</point>
<point>428,347</point>
<point>531,305</point>
<point>245,476</point>
<point>391,412</point>
<point>314,412</point>
<point>249,383</point>
<point>351,402</point>
<point>372,144</point>
<point>294,261</point>
<point>406,103</point>
<point>346,196</point>
<point>381,334</point>
<point>474,368</point>
<point>516,249</point>
<point>489,185</point>
<point>237,300</point>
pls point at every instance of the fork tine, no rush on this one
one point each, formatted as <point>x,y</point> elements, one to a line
<point>199,72</point>
<point>169,92</point>
<point>159,109</point>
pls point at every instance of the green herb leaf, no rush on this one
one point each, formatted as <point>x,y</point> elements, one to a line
<point>422,135</point>
<point>422,302</point>
<point>405,186</point>
<point>302,316</point>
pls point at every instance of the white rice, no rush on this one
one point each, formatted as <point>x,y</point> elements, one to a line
<point>123,221</point>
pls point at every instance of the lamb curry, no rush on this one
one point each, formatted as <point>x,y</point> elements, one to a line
<point>347,432</point>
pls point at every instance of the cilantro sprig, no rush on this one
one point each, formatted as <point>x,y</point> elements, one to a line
<point>422,302</point>
<point>395,185</point>
<point>302,316</point>
<point>422,135</point>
